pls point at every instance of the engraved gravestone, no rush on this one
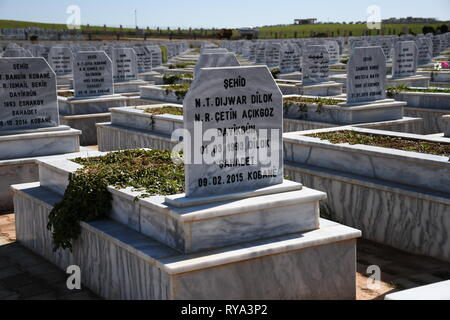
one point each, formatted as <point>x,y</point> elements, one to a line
<point>124,64</point>
<point>366,75</point>
<point>27,94</point>
<point>273,55</point>
<point>215,60</point>
<point>315,64</point>
<point>404,63</point>
<point>234,119</point>
<point>290,58</point>
<point>61,60</point>
<point>144,59</point>
<point>425,50</point>
<point>16,52</point>
<point>92,74</point>
<point>333,51</point>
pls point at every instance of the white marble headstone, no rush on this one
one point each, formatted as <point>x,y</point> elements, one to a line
<point>27,94</point>
<point>315,64</point>
<point>243,105</point>
<point>92,74</point>
<point>215,60</point>
<point>124,64</point>
<point>366,75</point>
<point>333,51</point>
<point>290,58</point>
<point>17,52</point>
<point>404,62</point>
<point>61,60</point>
<point>425,50</point>
<point>144,59</point>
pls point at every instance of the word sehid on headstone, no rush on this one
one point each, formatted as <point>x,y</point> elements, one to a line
<point>242,107</point>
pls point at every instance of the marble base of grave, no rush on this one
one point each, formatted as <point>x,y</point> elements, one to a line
<point>324,89</point>
<point>412,81</point>
<point>406,194</point>
<point>148,76</point>
<point>179,71</point>
<point>289,87</point>
<point>132,128</point>
<point>66,80</point>
<point>129,86</point>
<point>434,291</point>
<point>337,71</point>
<point>340,78</point>
<point>86,124</point>
<point>432,119</point>
<point>91,110</point>
<point>436,76</point>
<point>446,120</point>
<point>428,105</point>
<point>290,76</point>
<point>251,245</point>
<point>161,94</point>
<point>369,113</point>
<point>406,124</point>
<point>18,153</point>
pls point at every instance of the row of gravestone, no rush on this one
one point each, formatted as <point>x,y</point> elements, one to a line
<point>285,54</point>
<point>61,57</point>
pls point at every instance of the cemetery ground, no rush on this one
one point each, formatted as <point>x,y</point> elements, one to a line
<point>25,275</point>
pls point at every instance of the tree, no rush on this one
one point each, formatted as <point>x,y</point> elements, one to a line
<point>443,29</point>
<point>225,34</point>
<point>428,29</point>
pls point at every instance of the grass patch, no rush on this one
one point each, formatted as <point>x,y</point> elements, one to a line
<point>165,110</point>
<point>66,94</point>
<point>393,91</point>
<point>180,90</point>
<point>318,100</point>
<point>405,144</point>
<point>87,198</point>
<point>182,65</point>
<point>174,78</point>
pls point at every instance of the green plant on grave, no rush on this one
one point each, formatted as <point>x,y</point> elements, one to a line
<point>393,91</point>
<point>87,198</point>
<point>180,90</point>
<point>171,78</point>
<point>174,78</point>
<point>162,110</point>
<point>275,72</point>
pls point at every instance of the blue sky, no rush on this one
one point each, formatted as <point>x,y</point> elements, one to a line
<point>212,13</point>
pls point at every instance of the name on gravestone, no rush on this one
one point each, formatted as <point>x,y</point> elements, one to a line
<point>27,94</point>
<point>124,64</point>
<point>315,64</point>
<point>404,63</point>
<point>61,60</point>
<point>366,75</point>
<point>92,74</point>
<point>233,121</point>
